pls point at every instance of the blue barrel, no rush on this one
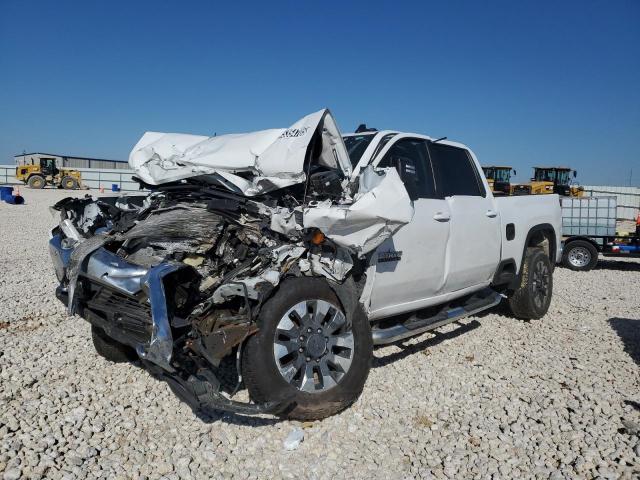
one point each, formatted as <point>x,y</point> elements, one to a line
<point>14,199</point>
<point>6,192</point>
<point>115,187</point>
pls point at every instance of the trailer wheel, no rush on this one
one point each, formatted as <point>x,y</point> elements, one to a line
<point>109,348</point>
<point>307,354</point>
<point>69,183</point>
<point>36,181</point>
<point>580,255</point>
<point>532,298</point>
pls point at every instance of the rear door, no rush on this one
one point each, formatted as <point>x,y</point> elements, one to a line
<point>411,264</point>
<point>474,236</point>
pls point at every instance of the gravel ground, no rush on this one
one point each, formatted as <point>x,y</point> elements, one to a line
<point>555,398</point>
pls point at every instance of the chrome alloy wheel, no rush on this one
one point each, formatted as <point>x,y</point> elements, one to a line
<point>579,257</point>
<point>313,346</point>
<point>541,277</point>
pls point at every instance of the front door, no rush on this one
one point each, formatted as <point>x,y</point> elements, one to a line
<point>410,266</point>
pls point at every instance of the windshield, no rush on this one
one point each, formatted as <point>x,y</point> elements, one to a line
<point>356,145</point>
<point>497,174</point>
<point>502,175</point>
<point>561,177</point>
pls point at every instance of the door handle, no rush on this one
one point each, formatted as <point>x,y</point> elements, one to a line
<point>491,214</point>
<point>442,217</point>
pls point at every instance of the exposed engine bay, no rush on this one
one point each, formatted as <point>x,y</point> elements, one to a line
<point>180,274</point>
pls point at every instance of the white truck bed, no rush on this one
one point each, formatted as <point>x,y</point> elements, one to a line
<point>525,212</point>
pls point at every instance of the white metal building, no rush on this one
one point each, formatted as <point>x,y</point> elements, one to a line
<point>71,161</point>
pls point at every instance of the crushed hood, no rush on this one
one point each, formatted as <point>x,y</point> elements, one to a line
<point>249,163</point>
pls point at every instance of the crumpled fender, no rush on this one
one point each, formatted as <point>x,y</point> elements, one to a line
<point>381,206</point>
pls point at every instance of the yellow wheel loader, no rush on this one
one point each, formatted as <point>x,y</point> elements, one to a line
<point>547,180</point>
<point>47,172</point>
<point>499,179</point>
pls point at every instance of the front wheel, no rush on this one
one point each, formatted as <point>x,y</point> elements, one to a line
<point>532,298</point>
<point>307,353</point>
<point>36,181</point>
<point>69,183</point>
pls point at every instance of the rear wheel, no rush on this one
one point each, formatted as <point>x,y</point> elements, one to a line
<point>36,181</point>
<point>109,348</point>
<point>532,298</point>
<point>69,183</point>
<point>580,255</point>
<point>307,354</point>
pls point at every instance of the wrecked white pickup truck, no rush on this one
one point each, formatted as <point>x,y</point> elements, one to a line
<point>285,255</point>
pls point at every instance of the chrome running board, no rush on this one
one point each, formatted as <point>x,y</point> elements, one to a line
<point>415,325</point>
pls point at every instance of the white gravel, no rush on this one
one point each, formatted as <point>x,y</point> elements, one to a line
<point>556,398</point>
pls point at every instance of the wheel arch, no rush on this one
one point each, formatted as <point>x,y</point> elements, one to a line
<point>348,292</point>
<point>35,174</point>
<point>542,235</point>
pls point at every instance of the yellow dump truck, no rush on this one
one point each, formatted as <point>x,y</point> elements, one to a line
<point>45,171</point>
<point>547,180</point>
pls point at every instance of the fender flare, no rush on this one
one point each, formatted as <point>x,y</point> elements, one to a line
<point>544,228</point>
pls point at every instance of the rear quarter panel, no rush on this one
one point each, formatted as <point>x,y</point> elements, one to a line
<point>526,212</point>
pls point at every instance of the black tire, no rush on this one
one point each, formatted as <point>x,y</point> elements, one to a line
<point>262,375</point>
<point>69,183</point>
<point>579,255</point>
<point>37,182</point>
<point>110,349</point>
<point>532,298</point>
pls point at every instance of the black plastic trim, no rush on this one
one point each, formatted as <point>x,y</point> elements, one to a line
<point>505,273</point>
<point>542,227</point>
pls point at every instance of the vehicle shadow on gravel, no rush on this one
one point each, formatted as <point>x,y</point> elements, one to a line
<point>628,329</point>
<point>437,338</point>
<point>618,265</point>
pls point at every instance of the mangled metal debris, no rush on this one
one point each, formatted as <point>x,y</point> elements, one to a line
<point>181,275</point>
<point>379,209</point>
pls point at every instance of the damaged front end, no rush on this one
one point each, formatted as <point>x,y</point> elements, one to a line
<point>180,275</point>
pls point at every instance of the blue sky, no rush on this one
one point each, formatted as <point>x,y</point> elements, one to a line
<point>521,83</point>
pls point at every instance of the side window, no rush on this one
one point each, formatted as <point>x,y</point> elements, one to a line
<point>454,171</point>
<point>412,151</point>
